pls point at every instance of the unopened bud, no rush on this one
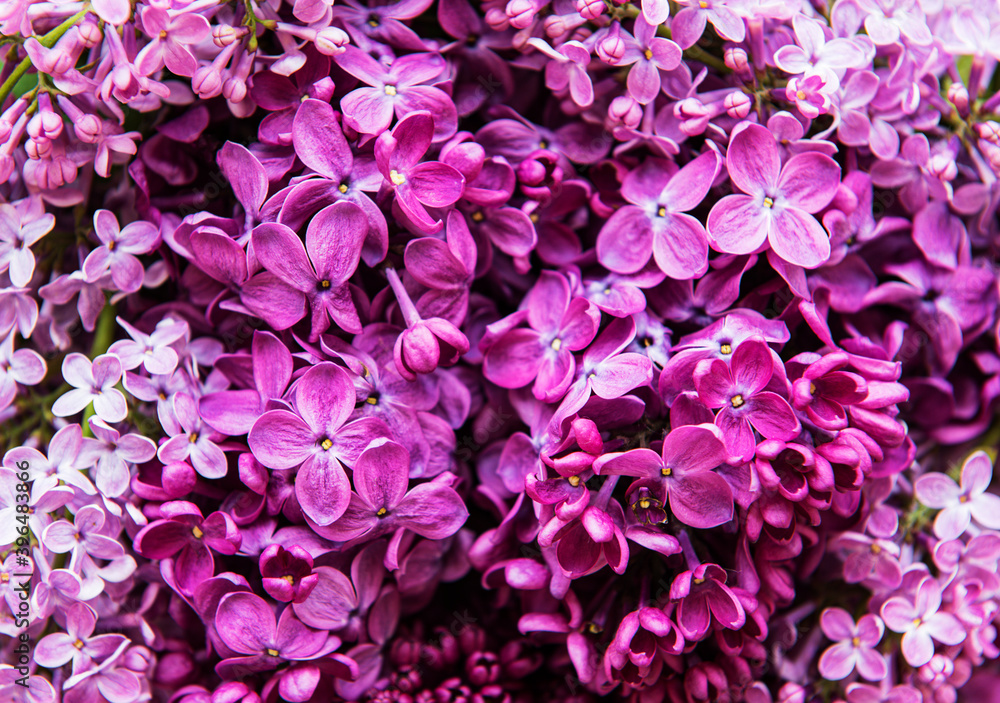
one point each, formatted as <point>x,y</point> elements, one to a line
<point>627,110</point>
<point>989,130</point>
<point>331,41</point>
<point>521,13</point>
<point>611,48</point>
<point>590,9</point>
<point>206,82</point>
<point>223,34</point>
<point>234,89</point>
<point>88,129</point>
<point>738,105</point>
<point>958,95</point>
<point>90,32</point>
<point>736,59</point>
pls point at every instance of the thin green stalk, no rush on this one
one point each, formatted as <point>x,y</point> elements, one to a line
<point>48,41</point>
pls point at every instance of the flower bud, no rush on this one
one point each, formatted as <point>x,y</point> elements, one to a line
<point>737,105</point>
<point>88,129</point>
<point>234,89</point>
<point>792,693</point>
<point>989,131</point>
<point>206,82</point>
<point>611,48</point>
<point>331,41</point>
<point>521,13</point>
<point>90,32</point>
<point>590,9</point>
<point>223,34</point>
<point>736,59</point>
<point>627,110</point>
<point>958,95</point>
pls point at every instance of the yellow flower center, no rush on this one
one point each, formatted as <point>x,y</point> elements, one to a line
<point>574,481</point>
<point>342,188</point>
<point>662,212</point>
<point>78,644</point>
<point>478,216</point>
<point>666,471</point>
<point>324,283</point>
<point>326,444</point>
<point>382,512</point>
<point>556,344</point>
<point>855,641</point>
<point>272,652</point>
<point>875,549</point>
<point>644,503</point>
<point>396,177</point>
<point>800,95</point>
<point>290,579</point>
<point>737,400</point>
<point>193,437</point>
<point>390,90</point>
<point>594,628</point>
<point>196,531</point>
<point>371,400</point>
<point>703,5</point>
<point>726,349</point>
<point>768,202</point>
<point>163,34</point>
<point>698,582</point>
<point>648,53</point>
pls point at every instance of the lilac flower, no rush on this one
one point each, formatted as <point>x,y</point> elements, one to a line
<point>705,598</point>
<point>171,37</point>
<point>961,504</point>
<point>416,185</point>
<point>118,250</point>
<point>93,383</point>
<point>921,622</point>
<point>824,389</point>
<point>110,679</point>
<point>153,351</point>
<point>886,20</point>
<point>373,25</point>
<point>383,505</point>
<point>61,466</point>
<point>20,228</point>
<point>855,646</point>
<point>398,88</point>
<point>246,624</point>
<point>77,644</point>
<point>656,223</point>
<point>814,54</point>
<point>568,69</point>
<point>287,573</point>
<point>110,451</point>
<point>648,54</point>
<point>193,440</point>
<point>738,388</point>
<point>865,693</point>
<point>318,439</point>
<point>83,537</point>
<point>688,25</point>
<point>24,366</point>
<point>319,270</point>
<point>778,202</point>
<point>543,353</point>
<point>187,537</point>
<point>683,469</point>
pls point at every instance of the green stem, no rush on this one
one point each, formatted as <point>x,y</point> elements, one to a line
<point>104,335</point>
<point>48,41</point>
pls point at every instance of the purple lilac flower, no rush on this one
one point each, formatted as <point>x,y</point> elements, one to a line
<point>854,648</point>
<point>683,471</point>
<point>319,438</point>
<point>656,222</point>
<point>738,389</point>
<point>118,251</point>
<point>77,644</point>
<point>921,622</point>
<point>93,383</point>
<point>961,504</point>
<point>778,202</point>
<point>21,227</point>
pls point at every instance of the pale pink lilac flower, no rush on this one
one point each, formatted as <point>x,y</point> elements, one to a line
<point>960,504</point>
<point>94,382</point>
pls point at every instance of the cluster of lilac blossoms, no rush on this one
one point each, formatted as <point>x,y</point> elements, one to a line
<point>499,352</point>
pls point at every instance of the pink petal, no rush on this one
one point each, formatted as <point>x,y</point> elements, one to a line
<point>738,224</point>
<point>798,238</point>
